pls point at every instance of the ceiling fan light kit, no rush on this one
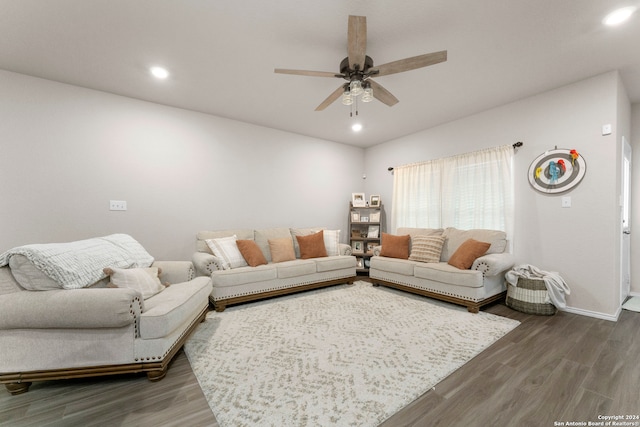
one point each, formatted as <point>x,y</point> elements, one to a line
<point>357,69</point>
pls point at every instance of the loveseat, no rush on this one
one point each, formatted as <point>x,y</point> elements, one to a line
<point>52,330</point>
<point>476,280</point>
<point>283,267</point>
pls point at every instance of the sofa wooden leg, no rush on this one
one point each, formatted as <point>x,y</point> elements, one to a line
<point>17,388</point>
<point>473,309</point>
<point>219,307</point>
<point>156,375</point>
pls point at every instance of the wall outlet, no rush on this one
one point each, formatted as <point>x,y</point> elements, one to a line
<point>606,130</point>
<point>117,205</point>
<point>566,202</point>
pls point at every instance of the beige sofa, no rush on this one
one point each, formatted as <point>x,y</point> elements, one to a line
<point>93,331</point>
<point>246,283</point>
<point>479,285</point>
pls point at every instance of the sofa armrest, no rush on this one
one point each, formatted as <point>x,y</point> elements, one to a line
<point>205,264</point>
<point>344,249</point>
<point>70,308</point>
<point>175,271</point>
<point>493,264</point>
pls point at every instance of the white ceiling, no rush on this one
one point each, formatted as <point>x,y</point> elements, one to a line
<point>222,53</point>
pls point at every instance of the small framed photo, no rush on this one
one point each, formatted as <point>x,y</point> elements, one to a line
<point>374,232</point>
<point>364,219</point>
<point>355,216</point>
<point>374,217</point>
<point>358,200</point>
<point>374,201</point>
<point>357,246</point>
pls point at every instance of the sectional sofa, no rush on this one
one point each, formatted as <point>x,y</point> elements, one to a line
<point>285,266</point>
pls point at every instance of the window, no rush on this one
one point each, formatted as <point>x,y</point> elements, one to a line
<point>473,190</point>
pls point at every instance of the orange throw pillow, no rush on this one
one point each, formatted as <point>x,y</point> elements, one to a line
<point>395,246</point>
<point>251,252</point>
<point>467,253</point>
<point>312,246</point>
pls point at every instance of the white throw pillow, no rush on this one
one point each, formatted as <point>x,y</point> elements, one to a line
<point>226,249</point>
<point>331,240</point>
<point>143,280</point>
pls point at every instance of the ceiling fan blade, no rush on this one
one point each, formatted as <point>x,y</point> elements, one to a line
<point>410,63</point>
<point>382,95</point>
<point>357,41</point>
<point>331,98</point>
<point>307,73</point>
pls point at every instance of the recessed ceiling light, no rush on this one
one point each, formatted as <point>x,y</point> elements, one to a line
<point>357,127</point>
<point>618,16</point>
<point>159,72</point>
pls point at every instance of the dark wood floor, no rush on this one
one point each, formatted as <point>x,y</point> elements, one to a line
<point>550,369</point>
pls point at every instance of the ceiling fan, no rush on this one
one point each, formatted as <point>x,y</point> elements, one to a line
<point>357,69</point>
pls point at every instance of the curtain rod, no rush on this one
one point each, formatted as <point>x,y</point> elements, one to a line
<point>516,145</point>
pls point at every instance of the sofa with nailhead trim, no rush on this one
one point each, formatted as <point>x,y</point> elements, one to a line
<point>480,284</point>
<point>98,330</point>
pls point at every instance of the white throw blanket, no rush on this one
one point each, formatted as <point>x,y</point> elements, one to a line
<point>556,286</point>
<point>78,264</point>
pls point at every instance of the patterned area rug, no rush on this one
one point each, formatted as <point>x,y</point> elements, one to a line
<point>345,355</point>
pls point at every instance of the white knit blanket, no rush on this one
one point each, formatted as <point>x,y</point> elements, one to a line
<point>75,265</point>
<point>555,284</point>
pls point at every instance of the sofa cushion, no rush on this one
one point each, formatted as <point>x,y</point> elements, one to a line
<point>445,273</point>
<point>334,263</point>
<point>426,248</point>
<point>393,265</point>
<point>468,252</point>
<point>169,310</point>
<point>395,246</point>
<point>263,236</point>
<point>455,237</point>
<point>244,275</point>
<point>281,249</point>
<point>295,268</point>
<point>143,280</point>
<point>312,246</point>
<point>226,249</point>
<point>251,253</point>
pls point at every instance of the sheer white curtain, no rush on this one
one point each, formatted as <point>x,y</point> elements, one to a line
<point>472,190</point>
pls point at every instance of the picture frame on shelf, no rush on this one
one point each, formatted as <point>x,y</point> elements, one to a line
<point>358,200</point>
<point>364,219</point>
<point>374,232</point>
<point>357,247</point>
<point>374,217</point>
<point>355,216</point>
<point>370,246</point>
<point>374,201</point>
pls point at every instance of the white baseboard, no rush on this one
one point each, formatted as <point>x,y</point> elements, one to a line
<point>597,315</point>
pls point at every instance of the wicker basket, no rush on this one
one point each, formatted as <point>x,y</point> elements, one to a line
<point>530,296</point>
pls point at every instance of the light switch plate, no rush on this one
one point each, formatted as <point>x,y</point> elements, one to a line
<point>606,129</point>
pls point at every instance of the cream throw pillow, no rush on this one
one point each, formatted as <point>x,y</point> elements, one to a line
<point>143,280</point>
<point>226,248</point>
<point>331,240</point>
<point>426,248</point>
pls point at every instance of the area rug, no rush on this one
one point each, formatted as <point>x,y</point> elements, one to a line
<point>632,304</point>
<point>349,355</point>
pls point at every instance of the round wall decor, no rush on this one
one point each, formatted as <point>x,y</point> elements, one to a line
<point>556,171</point>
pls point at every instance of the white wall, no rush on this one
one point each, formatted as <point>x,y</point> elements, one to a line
<point>581,242</point>
<point>66,151</point>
